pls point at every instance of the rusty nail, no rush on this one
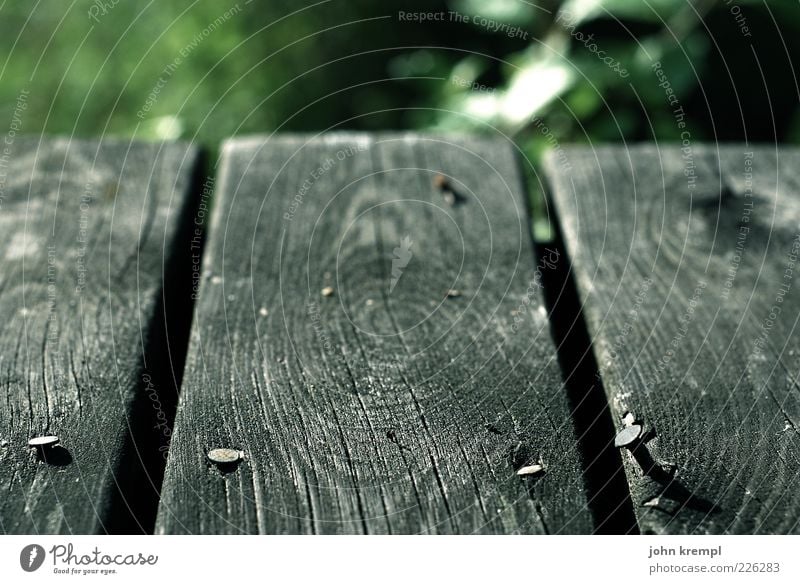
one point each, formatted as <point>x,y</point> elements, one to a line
<point>440,182</point>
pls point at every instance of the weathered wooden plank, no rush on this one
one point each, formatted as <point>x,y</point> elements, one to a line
<point>686,261</point>
<point>386,406</point>
<point>86,229</point>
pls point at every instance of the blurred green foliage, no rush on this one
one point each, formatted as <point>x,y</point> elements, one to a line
<point>206,70</point>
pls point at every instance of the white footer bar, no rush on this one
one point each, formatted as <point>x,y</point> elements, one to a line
<point>388,559</point>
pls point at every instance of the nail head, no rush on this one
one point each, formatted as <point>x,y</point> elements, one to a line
<point>43,441</point>
<point>628,436</point>
<point>224,455</point>
<point>531,470</point>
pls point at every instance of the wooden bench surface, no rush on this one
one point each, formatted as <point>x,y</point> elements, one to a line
<point>382,405</point>
<point>381,347</point>
<point>88,231</point>
<point>686,261</point>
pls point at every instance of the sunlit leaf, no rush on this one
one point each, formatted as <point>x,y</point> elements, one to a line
<point>532,88</point>
<point>508,11</point>
<point>578,11</point>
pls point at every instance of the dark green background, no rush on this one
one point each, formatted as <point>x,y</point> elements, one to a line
<point>301,66</point>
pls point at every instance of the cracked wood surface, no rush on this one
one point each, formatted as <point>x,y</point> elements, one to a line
<point>686,264</point>
<point>86,228</point>
<point>385,405</point>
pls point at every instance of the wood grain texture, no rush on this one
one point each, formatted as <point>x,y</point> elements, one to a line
<point>381,408</point>
<point>686,262</point>
<point>86,230</point>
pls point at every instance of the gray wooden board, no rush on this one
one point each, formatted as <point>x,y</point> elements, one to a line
<point>380,408</point>
<point>679,257</point>
<point>85,228</point>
